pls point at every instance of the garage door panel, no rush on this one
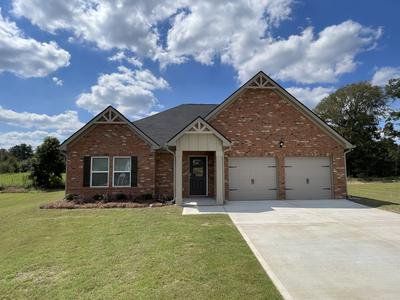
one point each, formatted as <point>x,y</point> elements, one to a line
<point>307,178</point>
<point>252,178</point>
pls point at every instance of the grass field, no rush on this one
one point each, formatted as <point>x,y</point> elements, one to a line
<point>16,180</point>
<point>122,253</point>
<point>381,194</point>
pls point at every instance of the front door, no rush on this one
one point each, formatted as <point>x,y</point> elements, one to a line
<point>198,176</point>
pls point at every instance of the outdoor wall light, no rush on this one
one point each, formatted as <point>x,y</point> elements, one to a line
<point>281,144</point>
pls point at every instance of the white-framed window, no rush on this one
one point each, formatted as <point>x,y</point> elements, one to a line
<point>122,171</point>
<point>99,171</point>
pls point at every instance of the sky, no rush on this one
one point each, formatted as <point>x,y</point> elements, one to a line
<point>62,62</point>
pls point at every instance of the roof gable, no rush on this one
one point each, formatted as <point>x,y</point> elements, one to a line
<point>109,116</point>
<point>199,126</point>
<point>263,81</point>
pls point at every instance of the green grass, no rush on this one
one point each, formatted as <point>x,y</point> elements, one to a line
<point>381,194</point>
<point>122,254</point>
<point>15,180</point>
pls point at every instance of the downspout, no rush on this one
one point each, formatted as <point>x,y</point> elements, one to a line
<point>345,168</point>
<point>173,171</point>
<point>228,148</point>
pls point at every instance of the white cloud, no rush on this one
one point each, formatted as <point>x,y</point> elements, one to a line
<point>57,81</point>
<point>382,75</point>
<point>306,58</point>
<point>34,138</point>
<point>25,56</point>
<point>238,33</point>
<point>209,29</point>
<point>35,127</point>
<point>310,96</point>
<point>121,56</point>
<point>63,123</point>
<point>129,91</point>
<point>108,24</point>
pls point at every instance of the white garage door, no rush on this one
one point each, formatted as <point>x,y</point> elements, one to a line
<point>252,178</point>
<point>308,178</point>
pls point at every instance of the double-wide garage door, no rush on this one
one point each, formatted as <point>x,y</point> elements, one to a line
<point>256,178</point>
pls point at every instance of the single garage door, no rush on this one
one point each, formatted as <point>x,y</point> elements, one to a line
<point>308,178</point>
<point>252,178</point>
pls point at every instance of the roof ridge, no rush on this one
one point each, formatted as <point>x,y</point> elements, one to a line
<point>163,111</point>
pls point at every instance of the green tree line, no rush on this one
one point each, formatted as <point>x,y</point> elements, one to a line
<point>366,116</point>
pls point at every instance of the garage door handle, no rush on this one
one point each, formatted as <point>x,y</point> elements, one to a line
<point>233,190</point>
<point>326,189</point>
<point>288,189</point>
<point>273,189</point>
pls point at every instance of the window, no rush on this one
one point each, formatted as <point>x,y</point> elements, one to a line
<point>122,171</point>
<point>99,172</point>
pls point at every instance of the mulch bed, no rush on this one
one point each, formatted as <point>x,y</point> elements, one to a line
<point>62,204</point>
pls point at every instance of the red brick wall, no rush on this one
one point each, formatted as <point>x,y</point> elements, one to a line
<point>186,169</point>
<point>164,174</point>
<point>110,140</point>
<point>260,118</point>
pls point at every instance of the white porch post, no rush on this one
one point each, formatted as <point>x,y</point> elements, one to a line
<point>178,177</point>
<point>220,176</point>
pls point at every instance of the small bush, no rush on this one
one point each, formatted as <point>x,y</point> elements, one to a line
<point>121,197</point>
<point>99,197</point>
<point>71,197</point>
<point>144,198</point>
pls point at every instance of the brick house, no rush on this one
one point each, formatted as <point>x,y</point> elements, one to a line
<point>260,143</point>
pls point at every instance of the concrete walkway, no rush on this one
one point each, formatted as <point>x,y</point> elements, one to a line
<point>321,249</point>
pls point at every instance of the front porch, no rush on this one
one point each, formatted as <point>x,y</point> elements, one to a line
<point>199,201</point>
<point>199,164</point>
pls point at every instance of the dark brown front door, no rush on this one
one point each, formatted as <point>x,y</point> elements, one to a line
<point>198,176</point>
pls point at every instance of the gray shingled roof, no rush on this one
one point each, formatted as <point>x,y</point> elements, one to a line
<point>163,126</point>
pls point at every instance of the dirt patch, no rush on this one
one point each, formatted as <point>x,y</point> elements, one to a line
<point>41,276</point>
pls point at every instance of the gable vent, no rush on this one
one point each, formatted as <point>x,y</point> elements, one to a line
<point>261,82</point>
<point>109,116</point>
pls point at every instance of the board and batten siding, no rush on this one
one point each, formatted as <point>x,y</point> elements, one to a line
<point>199,142</point>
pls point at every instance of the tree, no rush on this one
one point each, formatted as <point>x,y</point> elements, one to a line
<point>355,112</point>
<point>23,154</point>
<point>48,164</point>
<point>393,92</point>
<point>22,151</point>
<point>8,163</point>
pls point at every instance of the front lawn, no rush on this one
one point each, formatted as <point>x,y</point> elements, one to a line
<point>122,254</point>
<point>381,194</point>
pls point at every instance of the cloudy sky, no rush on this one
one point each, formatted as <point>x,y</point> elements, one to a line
<point>61,62</point>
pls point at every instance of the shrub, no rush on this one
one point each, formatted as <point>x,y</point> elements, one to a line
<point>99,197</point>
<point>121,197</point>
<point>144,198</point>
<point>71,197</point>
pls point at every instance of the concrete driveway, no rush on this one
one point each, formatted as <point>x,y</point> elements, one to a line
<point>323,249</point>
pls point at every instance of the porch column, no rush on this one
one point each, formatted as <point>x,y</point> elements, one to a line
<point>178,177</point>
<point>219,155</point>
